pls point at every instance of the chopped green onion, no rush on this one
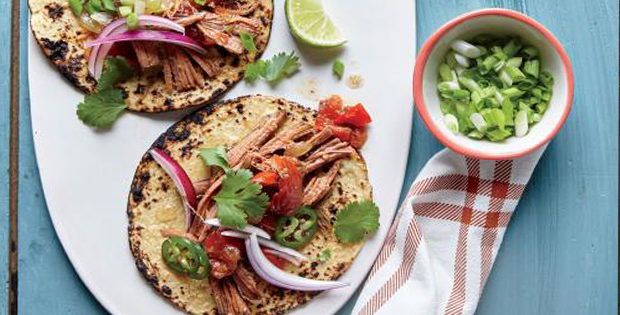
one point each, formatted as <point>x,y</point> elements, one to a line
<point>478,122</point>
<point>128,2</point>
<point>512,47</point>
<point>338,68</point>
<point>132,21</point>
<point>155,6</point>
<point>247,41</point>
<point>530,52</point>
<point>124,11</point>
<point>515,74</point>
<point>451,122</point>
<point>521,124</point>
<point>445,72</point>
<point>109,5</point>
<point>90,8</point>
<point>76,7</point>
<point>462,60</point>
<point>532,67</point>
<point>139,7</point>
<point>514,62</point>
<point>447,86</point>
<point>466,49</point>
<point>493,88</point>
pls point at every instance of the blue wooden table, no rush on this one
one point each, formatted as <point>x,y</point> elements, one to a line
<point>560,251</point>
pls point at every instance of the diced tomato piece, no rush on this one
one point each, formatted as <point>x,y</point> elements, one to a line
<point>277,261</point>
<point>269,222</point>
<point>266,179</point>
<point>331,108</point>
<point>356,116</point>
<point>290,193</point>
<point>342,133</point>
<point>215,242</point>
<point>358,137</point>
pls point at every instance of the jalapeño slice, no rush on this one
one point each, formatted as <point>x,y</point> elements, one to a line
<point>296,230</point>
<point>184,256</point>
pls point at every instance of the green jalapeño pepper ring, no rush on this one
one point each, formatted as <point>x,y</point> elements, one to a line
<point>184,256</point>
<point>296,230</point>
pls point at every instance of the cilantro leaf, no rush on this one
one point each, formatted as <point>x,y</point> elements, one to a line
<point>281,65</point>
<point>215,156</point>
<point>252,71</point>
<point>338,68</point>
<point>325,255</point>
<point>274,69</point>
<point>115,70</point>
<point>356,220</point>
<point>102,108</point>
<point>247,41</point>
<point>239,198</point>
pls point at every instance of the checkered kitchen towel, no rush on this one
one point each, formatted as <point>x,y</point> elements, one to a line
<point>442,244</point>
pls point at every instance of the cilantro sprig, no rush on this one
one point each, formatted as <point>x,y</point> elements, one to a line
<point>239,199</point>
<point>274,69</point>
<point>103,107</point>
<point>247,41</point>
<point>356,220</point>
<point>324,255</point>
<point>215,156</point>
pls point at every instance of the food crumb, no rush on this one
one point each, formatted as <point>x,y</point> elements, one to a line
<point>355,81</point>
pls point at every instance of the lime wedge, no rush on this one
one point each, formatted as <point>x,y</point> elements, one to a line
<point>309,23</point>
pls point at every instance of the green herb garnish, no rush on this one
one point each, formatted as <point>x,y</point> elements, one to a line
<point>324,255</point>
<point>239,198</point>
<point>356,220</point>
<point>338,68</point>
<point>102,108</point>
<point>215,156</point>
<point>273,70</point>
<point>247,41</point>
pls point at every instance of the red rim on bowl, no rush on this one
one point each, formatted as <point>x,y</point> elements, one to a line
<point>430,44</point>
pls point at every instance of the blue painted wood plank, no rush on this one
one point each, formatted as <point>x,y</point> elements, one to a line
<point>48,283</point>
<point>560,252</point>
<point>5,86</point>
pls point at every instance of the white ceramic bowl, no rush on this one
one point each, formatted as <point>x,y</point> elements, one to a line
<point>495,22</point>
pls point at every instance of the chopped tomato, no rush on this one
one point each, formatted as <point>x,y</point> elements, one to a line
<point>347,123</point>
<point>358,137</point>
<point>331,108</point>
<point>290,189</point>
<point>342,133</point>
<point>354,116</point>
<point>277,261</point>
<point>215,242</point>
<point>269,222</point>
<point>266,179</point>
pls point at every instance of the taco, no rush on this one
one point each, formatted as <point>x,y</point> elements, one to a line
<point>294,165</point>
<point>184,52</point>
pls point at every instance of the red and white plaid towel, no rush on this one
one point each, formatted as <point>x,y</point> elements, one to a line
<point>443,242</point>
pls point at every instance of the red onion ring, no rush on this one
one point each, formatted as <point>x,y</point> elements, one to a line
<point>249,229</point>
<point>269,244</point>
<point>181,181</point>
<point>95,60</point>
<point>272,274</point>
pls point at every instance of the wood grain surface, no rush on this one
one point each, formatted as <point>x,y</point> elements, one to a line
<point>560,252</point>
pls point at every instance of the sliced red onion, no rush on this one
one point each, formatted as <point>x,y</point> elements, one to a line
<point>282,255</point>
<point>274,275</point>
<point>98,54</point>
<point>268,243</point>
<point>149,35</point>
<point>247,229</point>
<point>181,181</point>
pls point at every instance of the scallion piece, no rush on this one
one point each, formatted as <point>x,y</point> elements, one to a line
<point>76,7</point>
<point>512,92</point>
<point>445,72</point>
<point>132,21</point>
<point>470,84</point>
<point>479,122</point>
<point>124,11</point>
<point>514,62</point>
<point>530,52</point>
<point>512,47</point>
<point>462,60</point>
<point>448,86</point>
<point>532,67</point>
<point>521,124</point>
<point>515,74</point>
<point>466,49</point>
<point>451,122</point>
